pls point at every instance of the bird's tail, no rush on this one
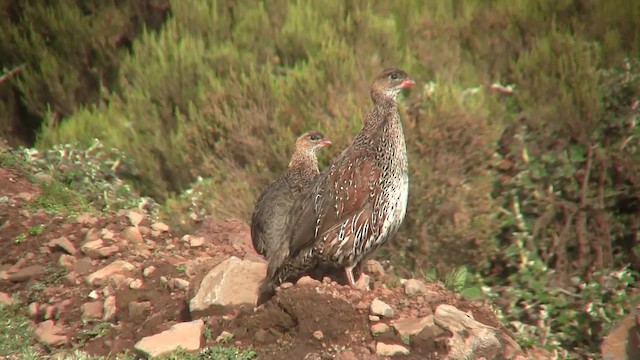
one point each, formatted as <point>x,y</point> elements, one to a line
<point>265,292</point>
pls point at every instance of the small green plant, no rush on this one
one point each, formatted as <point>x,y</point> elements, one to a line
<point>406,339</point>
<point>20,238</point>
<point>208,333</point>
<point>16,333</point>
<point>213,353</point>
<point>181,268</point>
<point>36,230</point>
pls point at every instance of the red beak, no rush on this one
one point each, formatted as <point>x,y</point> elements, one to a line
<point>408,83</point>
<point>325,142</point>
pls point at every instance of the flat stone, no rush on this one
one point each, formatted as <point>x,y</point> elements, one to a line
<point>136,284</point>
<point>26,273</point>
<point>91,235</point>
<point>92,310</point>
<point>64,244</point>
<point>181,283</point>
<point>383,349</point>
<point>375,269</point>
<point>47,332</point>
<point>414,286</point>
<point>6,299</point>
<point>66,261</point>
<point>413,326</point>
<point>160,226</point>
<point>318,335</point>
<point>307,281</point>
<point>381,309</point>
<point>107,234</point>
<point>97,249</point>
<point>468,335</point>
<point>132,235</point>
<point>185,335</point>
<point>148,271</point>
<point>379,328</point>
<point>232,282</point>
<point>82,266</point>
<point>196,241</point>
<point>363,282</point>
<point>135,218</point>
<point>109,309</point>
<point>101,276</point>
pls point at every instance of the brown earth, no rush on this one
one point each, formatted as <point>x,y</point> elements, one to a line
<point>285,327</point>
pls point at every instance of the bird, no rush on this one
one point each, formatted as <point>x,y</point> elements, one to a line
<point>273,204</point>
<point>356,204</point>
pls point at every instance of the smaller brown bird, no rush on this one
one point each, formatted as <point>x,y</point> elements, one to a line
<point>273,205</point>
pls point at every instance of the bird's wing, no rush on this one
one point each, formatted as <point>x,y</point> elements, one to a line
<point>342,198</point>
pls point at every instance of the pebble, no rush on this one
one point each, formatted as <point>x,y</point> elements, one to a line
<point>413,287</point>
<point>379,328</point>
<point>318,335</point>
<point>380,308</point>
<point>383,349</point>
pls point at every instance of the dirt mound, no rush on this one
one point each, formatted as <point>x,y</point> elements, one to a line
<point>102,282</point>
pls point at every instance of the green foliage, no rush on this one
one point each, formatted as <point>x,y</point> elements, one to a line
<point>16,333</point>
<point>213,353</point>
<point>69,52</point>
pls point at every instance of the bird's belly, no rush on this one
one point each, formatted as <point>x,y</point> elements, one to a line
<point>397,211</point>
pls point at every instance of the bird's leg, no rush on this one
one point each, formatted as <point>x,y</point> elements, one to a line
<point>349,272</point>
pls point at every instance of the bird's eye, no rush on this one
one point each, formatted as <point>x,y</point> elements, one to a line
<point>315,137</point>
<point>394,76</point>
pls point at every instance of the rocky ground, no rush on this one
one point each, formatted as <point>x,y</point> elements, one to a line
<point>114,283</point>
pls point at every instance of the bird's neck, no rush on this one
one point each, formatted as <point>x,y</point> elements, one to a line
<point>385,108</point>
<point>303,161</point>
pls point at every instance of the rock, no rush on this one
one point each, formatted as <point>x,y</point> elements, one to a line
<point>87,218</point>
<point>101,276</point>
<point>96,249</point>
<point>148,271</point>
<point>318,335</point>
<point>5,299</point>
<point>66,261</point>
<point>82,266</point>
<point>363,282</point>
<point>181,283</point>
<point>413,286</point>
<point>70,279</point>
<point>619,343</point>
<point>135,218</point>
<point>132,235</point>
<point>233,282</point>
<point>92,310</point>
<point>33,310</point>
<point>109,309</point>
<point>136,284</point>
<point>91,235</point>
<point>307,281</point>
<point>160,226</point>
<point>375,269</point>
<point>119,281</point>
<point>47,333</point>
<point>64,244</point>
<point>380,308</point>
<point>409,327</point>
<point>469,336</point>
<point>224,337</point>
<point>196,241</point>
<point>374,317</point>
<point>383,349</point>
<point>185,335</point>
<point>379,328</point>
<point>139,310</point>
<point>93,295</point>
<point>26,273</point>
<point>107,234</point>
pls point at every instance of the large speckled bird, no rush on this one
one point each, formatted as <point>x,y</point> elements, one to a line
<point>359,202</point>
<point>272,207</point>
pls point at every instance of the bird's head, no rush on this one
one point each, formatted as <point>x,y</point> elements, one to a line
<point>312,141</point>
<point>389,83</point>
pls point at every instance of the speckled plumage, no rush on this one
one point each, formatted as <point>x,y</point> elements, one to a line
<point>358,203</point>
<point>272,206</point>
